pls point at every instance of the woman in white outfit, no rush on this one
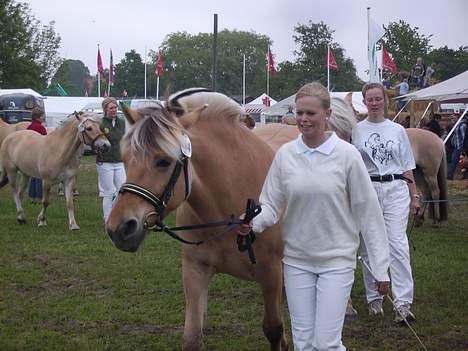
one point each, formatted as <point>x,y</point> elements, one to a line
<point>319,185</point>
<point>387,154</point>
<point>111,171</point>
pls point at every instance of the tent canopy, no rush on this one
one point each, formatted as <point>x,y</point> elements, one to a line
<point>259,100</point>
<point>281,107</point>
<point>451,90</point>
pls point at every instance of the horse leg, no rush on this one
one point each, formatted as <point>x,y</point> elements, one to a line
<point>69,186</point>
<point>196,279</point>
<point>41,218</point>
<point>18,193</point>
<point>435,197</point>
<point>271,282</point>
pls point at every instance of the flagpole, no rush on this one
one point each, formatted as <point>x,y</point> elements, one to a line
<point>268,71</point>
<point>145,72</point>
<point>328,67</point>
<point>368,43</point>
<point>243,82</point>
<point>109,79</point>
<point>99,78</point>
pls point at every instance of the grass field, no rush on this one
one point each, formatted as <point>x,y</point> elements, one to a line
<point>62,290</point>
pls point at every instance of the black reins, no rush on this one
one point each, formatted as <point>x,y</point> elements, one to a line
<point>160,203</point>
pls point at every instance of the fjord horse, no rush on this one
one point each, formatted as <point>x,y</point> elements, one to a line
<point>6,128</point>
<point>212,186</point>
<point>51,157</point>
<point>429,154</point>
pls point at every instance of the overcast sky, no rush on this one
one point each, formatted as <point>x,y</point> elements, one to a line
<point>125,25</point>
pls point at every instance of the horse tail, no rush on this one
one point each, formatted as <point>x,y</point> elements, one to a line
<point>443,188</point>
<point>3,178</point>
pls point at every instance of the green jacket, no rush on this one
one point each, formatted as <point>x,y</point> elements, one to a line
<point>114,135</point>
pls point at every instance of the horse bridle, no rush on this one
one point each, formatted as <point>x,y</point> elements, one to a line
<point>160,202</point>
<point>84,133</point>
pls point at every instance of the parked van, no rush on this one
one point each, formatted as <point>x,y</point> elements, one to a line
<point>18,107</point>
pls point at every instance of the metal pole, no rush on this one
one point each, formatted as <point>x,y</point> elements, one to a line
<point>455,126</point>
<point>243,82</point>
<point>145,72</point>
<point>215,50</point>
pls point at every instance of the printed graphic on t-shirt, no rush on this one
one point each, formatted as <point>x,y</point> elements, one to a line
<point>380,149</point>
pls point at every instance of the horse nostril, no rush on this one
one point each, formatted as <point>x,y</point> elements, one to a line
<point>129,229</point>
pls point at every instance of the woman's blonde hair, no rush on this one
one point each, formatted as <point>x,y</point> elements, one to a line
<point>315,89</point>
<point>106,102</point>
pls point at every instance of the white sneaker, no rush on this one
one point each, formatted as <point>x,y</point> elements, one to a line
<point>375,307</point>
<point>404,312</point>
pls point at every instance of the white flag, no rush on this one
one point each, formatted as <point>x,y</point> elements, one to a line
<point>376,32</point>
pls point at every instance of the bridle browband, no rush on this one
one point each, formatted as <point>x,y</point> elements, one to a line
<point>83,131</point>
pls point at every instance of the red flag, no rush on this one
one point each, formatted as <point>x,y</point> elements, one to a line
<point>271,63</point>
<point>100,67</point>
<point>160,64</point>
<point>331,62</point>
<point>266,100</point>
<point>111,70</point>
<point>387,62</point>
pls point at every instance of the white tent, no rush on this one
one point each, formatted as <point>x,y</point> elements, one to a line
<point>20,91</point>
<point>280,108</point>
<point>57,108</point>
<point>260,99</point>
<point>451,90</point>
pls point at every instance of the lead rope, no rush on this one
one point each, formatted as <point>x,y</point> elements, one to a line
<point>394,306</point>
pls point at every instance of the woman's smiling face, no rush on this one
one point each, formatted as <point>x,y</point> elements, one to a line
<point>311,116</point>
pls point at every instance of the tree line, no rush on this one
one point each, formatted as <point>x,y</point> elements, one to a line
<point>29,58</point>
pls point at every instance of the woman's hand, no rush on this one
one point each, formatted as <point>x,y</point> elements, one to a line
<point>415,205</point>
<point>382,287</point>
<point>244,228</point>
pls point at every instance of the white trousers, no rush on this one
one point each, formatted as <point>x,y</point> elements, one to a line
<point>394,201</point>
<point>111,176</point>
<point>317,299</point>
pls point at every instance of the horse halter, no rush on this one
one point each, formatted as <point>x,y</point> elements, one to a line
<point>84,133</point>
<point>160,202</point>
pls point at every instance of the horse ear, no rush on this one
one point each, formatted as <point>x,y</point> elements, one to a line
<point>190,118</point>
<point>349,101</point>
<point>131,115</point>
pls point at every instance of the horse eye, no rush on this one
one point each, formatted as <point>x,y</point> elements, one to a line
<point>89,129</point>
<point>164,163</point>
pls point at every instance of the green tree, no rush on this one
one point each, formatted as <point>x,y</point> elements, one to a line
<point>311,65</point>
<point>73,76</point>
<point>129,75</point>
<point>28,52</point>
<point>405,44</point>
<point>448,62</point>
<point>188,62</point>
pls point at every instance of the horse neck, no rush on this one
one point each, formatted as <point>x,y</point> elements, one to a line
<point>65,141</point>
<point>216,179</point>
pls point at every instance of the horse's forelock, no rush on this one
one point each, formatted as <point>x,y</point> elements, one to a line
<point>157,130</point>
<point>219,105</point>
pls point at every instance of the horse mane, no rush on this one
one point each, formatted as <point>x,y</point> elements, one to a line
<point>72,117</point>
<point>218,105</point>
<point>342,119</point>
<point>158,129</point>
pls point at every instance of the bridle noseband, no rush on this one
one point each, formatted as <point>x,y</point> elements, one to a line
<point>84,133</point>
<point>160,202</point>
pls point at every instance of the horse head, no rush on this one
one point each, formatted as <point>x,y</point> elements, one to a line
<point>156,152</point>
<point>90,132</point>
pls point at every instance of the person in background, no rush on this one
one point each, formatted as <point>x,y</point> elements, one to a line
<point>324,207</point>
<point>457,141</point>
<point>289,117</point>
<point>387,154</point>
<point>406,122</point>
<point>249,121</point>
<point>429,75</point>
<point>403,89</point>
<point>110,167</point>
<point>417,73</point>
<point>434,125</point>
<point>35,185</point>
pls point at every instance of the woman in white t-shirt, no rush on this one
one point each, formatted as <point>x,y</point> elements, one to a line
<point>387,154</point>
<point>320,187</point>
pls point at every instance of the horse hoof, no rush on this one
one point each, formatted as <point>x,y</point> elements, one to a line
<point>74,227</point>
<point>21,220</point>
<point>42,224</point>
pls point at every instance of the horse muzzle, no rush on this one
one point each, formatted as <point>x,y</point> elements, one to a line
<point>102,145</point>
<point>126,236</point>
